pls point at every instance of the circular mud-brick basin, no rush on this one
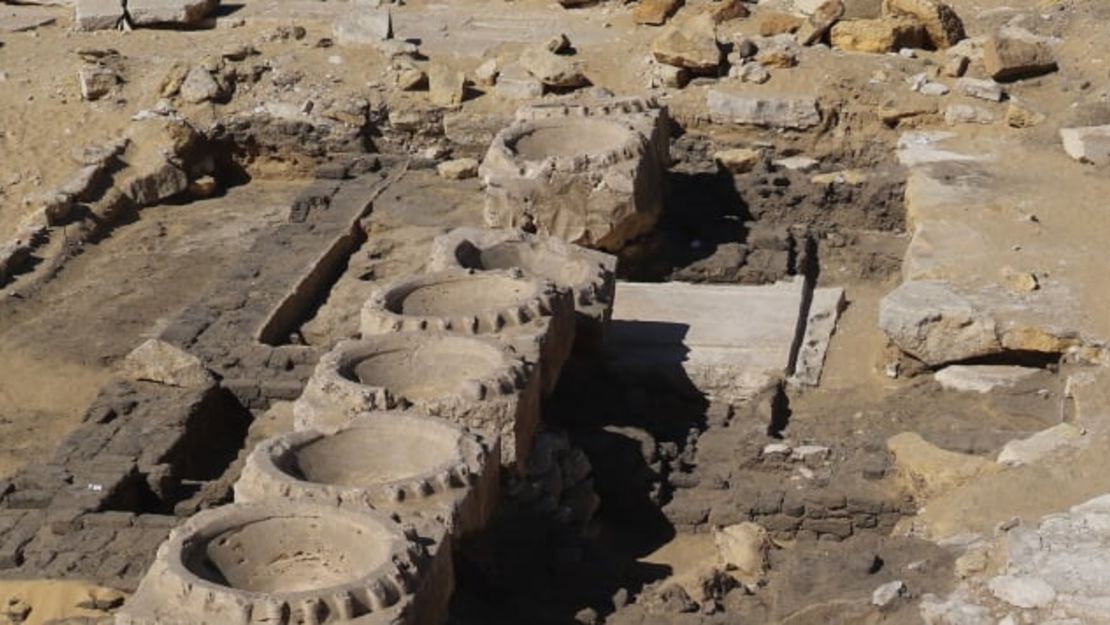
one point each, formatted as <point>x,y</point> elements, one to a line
<point>533,315</point>
<point>391,461</point>
<point>593,181</point>
<point>475,381</point>
<point>281,562</point>
<point>588,274</point>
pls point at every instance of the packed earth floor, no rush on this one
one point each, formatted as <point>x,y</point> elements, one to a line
<point>554,312</point>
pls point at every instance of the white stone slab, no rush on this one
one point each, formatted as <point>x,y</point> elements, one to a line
<point>729,341</point>
<point>824,311</point>
<point>982,378</point>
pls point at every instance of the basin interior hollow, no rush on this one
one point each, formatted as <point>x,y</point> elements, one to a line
<point>465,295</point>
<point>426,370</point>
<point>374,455</point>
<point>570,138</point>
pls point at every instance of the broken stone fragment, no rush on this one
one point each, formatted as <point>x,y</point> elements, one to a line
<point>957,114</point>
<point>878,36</point>
<point>515,83</point>
<point>1087,145</point>
<point>943,25</point>
<point>888,594</point>
<point>691,44</point>
<point>931,322</point>
<point>739,160</point>
<point>552,69</point>
<point>778,51</point>
<point>982,89</point>
<point>1018,116</point>
<point>819,23</point>
<point>982,378</point>
<point>753,72</point>
<point>405,75</point>
<point>365,26</point>
<point>458,169</point>
<point>97,14</point>
<point>199,86</point>
<point>158,361</point>
<point>742,549</point>
<point>926,470</point>
<point>558,44</point>
<point>446,85</point>
<point>779,24</point>
<point>96,82</point>
<point>1029,450</point>
<point>796,113</point>
<point>486,73</point>
<point>654,12</point>
<point>1008,57</point>
<point>669,76</point>
<point>183,12</point>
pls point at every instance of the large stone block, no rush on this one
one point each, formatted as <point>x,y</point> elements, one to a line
<point>1087,145</point>
<point>590,173</point>
<point>931,322</point>
<point>787,112</point>
<point>98,14</point>
<point>185,12</point>
<point>944,26</point>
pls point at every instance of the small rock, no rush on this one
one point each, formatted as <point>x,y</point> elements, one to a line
<point>776,451</point>
<point>96,82</point>
<point>364,26</point>
<point>458,169</point>
<point>1087,145</point>
<point>971,563</point>
<point>887,594</point>
<point>933,89</point>
<point>819,23</point>
<point>691,44</point>
<point>515,83</point>
<point>1018,116</point>
<point>670,76</point>
<point>966,114</point>
<point>553,70</point>
<point>742,549</point>
<point>1022,592</point>
<point>779,24</point>
<point>878,36</point>
<point>753,72</point>
<point>158,361</point>
<point>982,89</point>
<point>1010,57</point>
<point>205,186</point>
<point>486,73</point>
<point>721,11</point>
<point>956,66</point>
<point>654,12</point>
<point>739,161</point>
<point>558,44</point>
<point>97,14</point>
<point>982,378</point>
<point>798,163</point>
<point>810,455</point>
<point>779,51</point>
<point>403,74</point>
<point>199,86</point>
<point>446,85</point>
<point>943,25</point>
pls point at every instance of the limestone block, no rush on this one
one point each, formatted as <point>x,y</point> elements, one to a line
<point>982,89</point>
<point>589,173</point>
<point>97,14</point>
<point>364,26</point>
<point>691,44</point>
<point>1009,57</point>
<point>184,12</point>
<point>944,26</point>
<point>588,274</point>
<point>477,382</point>
<point>926,470</point>
<point>446,86</point>
<point>931,322</point>
<point>395,462</point>
<point>739,160</point>
<point>1087,145</point>
<point>287,562</point>
<point>795,113</point>
<point>878,36</point>
<point>742,549</point>
<point>515,83</point>
<point>158,361</point>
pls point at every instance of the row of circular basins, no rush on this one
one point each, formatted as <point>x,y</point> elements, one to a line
<point>400,441</point>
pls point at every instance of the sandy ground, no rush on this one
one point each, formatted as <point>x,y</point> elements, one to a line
<point>50,600</point>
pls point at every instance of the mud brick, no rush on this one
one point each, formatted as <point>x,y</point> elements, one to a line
<point>780,523</point>
<point>793,505</point>
<point>115,565</point>
<point>243,388</point>
<point>687,511</point>
<point>828,501</point>
<point>63,520</point>
<point>841,528</point>
<point>16,537</point>
<point>858,505</point>
<point>29,499</point>
<point>282,389</point>
<point>865,521</point>
<point>157,521</point>
<point>39,560</point>
<point>111,519</point>
<point>64,564</point>
<point>729,513</point>
<point>89,539</point>
<point>185,329</point>
<point>767,503</point>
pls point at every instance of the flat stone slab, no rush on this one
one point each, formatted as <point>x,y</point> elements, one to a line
<point>14,19</point>
<point>728,341</point>
<point>1013,243</point>
<point>982,378</point>
<point>824,311</point>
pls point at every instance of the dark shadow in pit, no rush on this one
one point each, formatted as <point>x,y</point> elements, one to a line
<point>634,426</point>
<point>701,211</point>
